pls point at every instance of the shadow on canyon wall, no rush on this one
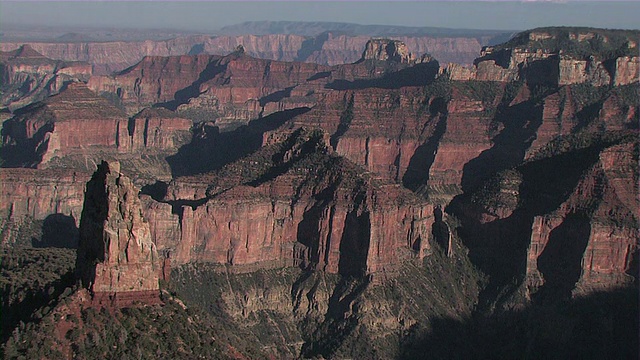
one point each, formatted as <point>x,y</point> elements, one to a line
<point>211,149</point>
<point>417,75</point>
<point>499,248</point>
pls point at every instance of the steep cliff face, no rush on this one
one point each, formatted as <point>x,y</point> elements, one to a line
<point>155,130</point>
<point>387,50</point>
<point>154,79</point>
<point>376,128</point>
<point>76,129</point>
<point>594,230</point>
<point>234,89</point>
<point>50,198</point>
<point>292,203</point>
<point>27,76</point>
<point>117,260</point>
<point>327,48</point>
<point>296,224</point>
<point>313,313</point>
<point>559,56</point>
<point>231,88</point>
<point>62,124</point>
<point>565,217</point>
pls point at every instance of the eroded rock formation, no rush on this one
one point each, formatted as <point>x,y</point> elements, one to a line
<point>117,260</point>
<point>327,48</point>
<point>29,195</point>
<point>387,50</point>
<point>27,76</point>
<point>77,128</point>
<point>293,203</point>
<point>387,122</point>
<point>558,57</point>
<point>593,234</point>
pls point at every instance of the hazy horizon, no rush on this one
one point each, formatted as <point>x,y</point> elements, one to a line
<point>207,16</point>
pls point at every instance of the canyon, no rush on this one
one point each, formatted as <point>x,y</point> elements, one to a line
<point>324,45</point>
<point>515,179</point>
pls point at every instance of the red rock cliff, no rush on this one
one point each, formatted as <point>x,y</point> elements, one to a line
<point>76,129</point>
<point>327,49</point>
<point>307,209</point>
<point>27,76</point>
<point>599,220</point>
<point>117,261</point>
<point>30,194</point>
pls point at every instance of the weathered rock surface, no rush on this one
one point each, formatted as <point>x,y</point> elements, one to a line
<point>234,89</point>
<point>327,48</point>
<point>387,50</point>
<point>117,259</point>
<point>76,129</point>
<point>594,232</point>
<point>155,130</point>
<point>303,207</point>
<point>378,129</point>
<point>393,123</point>
<point>558,57</point>
<point>62,125</point>
<point>27,76</point>
<point>34,195</point>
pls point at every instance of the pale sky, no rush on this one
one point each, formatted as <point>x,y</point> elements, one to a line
<point>211,15</point>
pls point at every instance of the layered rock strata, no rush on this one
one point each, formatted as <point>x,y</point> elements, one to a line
<point>27,76</point>
<point>327,48</point>
<point>304,207</point>
<point>597,225</point>
<point>77,128</point>
<point>29,195</point>
<point>237,88</point>
<point>117,260</point>
<point>537,56</point>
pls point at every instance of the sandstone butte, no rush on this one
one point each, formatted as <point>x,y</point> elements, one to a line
<point>117,261</point>
<point>77,129</point>
<point>27,76</point>
<point>523,58</point>
<point>236,88</point>
<point>327,48</point>
<point>305,208</point>
<point>438,137</point>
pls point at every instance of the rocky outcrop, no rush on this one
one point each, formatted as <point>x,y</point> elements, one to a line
<point>378,129</point>
<point>581,71</point>
<point>117,260</point>
<point>76,129</point>
<point>30,195</point>
<point>27,76</point>
<point>326,48</point>
<point>387,50</point>
<point>64,124</point>
<point>232,90</point>
<point>558,56</point>
<point>153,80</point>
<point>464,136</point>
<point>627,70</point>
<point>308,208</point>
<point>331,200</point>
<point>594,231</point>
<point>155,130</point>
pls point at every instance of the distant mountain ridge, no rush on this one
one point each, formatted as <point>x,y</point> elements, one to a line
<point>318,27</point>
